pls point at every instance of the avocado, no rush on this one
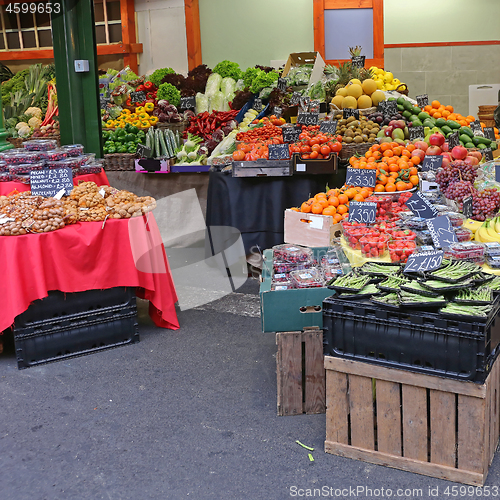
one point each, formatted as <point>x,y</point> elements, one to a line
<point>415,110</point>
<point>441,122</point>
<point>416,123</point>
<point>406,114</point>
<point>423,115</point>
<point>401,107</point>
<point>465,138</point>
<point>453,124</point>
<point>482,146</point>
<point>446,130</point>
<point>483,140</point>
<point>427,123</point>
<point>467,131</point>
<point>414,117</point>
<point>469,145</point>
<point>401,100</point>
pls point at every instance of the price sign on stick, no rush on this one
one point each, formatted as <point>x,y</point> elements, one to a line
<point>421,206</point>
<point>476,128</point>
<point>188,103</point>
<point>489,133</point>
<point>330,127</point>
<point>358,61</point>
<point>432,162</point>
<point>104,101</point>
<point>488,154</point>
<point>362,211</point>
<point>282,84</point>
<point>442,232</point>
<point>308,118</point>
<point>453,140</point>
<point>295,99</point>
<point>257,104</point>
<point>360,177</point>
<point>279,152</point>
<point>49,182</point>
<point>424,261</point>
<point>277,111</point>
<point>467,207</point>
<point>137,96</point>
<point>388,108</point>
<point>291,134</point>
<point>416,133</point>
<point>422,100</point>
<point>142,151</point>
<point>347,112</point>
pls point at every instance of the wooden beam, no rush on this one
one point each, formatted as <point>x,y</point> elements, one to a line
<point>127,16</point>
<point>348,4</point>
<point>378,30</point>
<point>319,26</point>
<point>193,34</point>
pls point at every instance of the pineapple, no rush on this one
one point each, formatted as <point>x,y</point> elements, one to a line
<point>355,51</point>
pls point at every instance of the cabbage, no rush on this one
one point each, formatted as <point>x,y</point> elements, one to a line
<point>217,102</point>
<point>201,103</point>
<point>228,86</point>
<point>213,85</point>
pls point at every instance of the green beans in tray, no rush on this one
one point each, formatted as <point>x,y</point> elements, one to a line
<point>379,269</point>
<point>392,283</point>
<point>416,287</point>
<point>350,282</point>
<point>389,299</point>
<point>470,296</point>
<point>494,284</point>
<point>461,311</point>
<point>454,271</point>
<point>416,300</point>
<point>366,292</point>
<point>481,278</point>
<point>441,286</point>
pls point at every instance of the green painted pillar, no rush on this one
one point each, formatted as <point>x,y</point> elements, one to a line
<point>73,36</point>
<point>4,144</point>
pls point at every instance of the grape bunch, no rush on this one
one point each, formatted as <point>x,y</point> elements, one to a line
<point>454,172</point>
<point>457,191</point>
<point>485,204</point>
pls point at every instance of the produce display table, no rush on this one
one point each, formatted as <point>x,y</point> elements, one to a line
<point>88,256</point>
<point>100,179</point>
<point>255,205</point>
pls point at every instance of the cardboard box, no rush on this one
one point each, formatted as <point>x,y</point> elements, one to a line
<point>302,58</point>
<point>314,166</point>
<point>310,230</point>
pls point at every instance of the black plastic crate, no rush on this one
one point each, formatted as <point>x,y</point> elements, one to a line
<point>418,341</point>
<point>59,304</point>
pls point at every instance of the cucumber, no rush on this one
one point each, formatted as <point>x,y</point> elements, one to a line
<point>170,151</point>
<point>163,144</point>
<point>467,131</point>
<point>172,141</point>
<point>177,139</point>
<point>148,141</point>
<point>157,143</point>
<point>483,140</point>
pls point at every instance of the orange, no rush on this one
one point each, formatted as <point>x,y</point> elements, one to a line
<point>323,202</point>
<point>352,160</point>
<point>410,147</point>
<point>413,170</point>
<point>470,117</point>
<point>382,179</point>
<point>415,160</point>
<point>453,116</point>
<point>400,186</point>
<point>379,188</point>
<point>409,185</point>
<point>320,195</point>
<point>385,146</point>
<point>445,113</point>
<point>414,180</point>
<point>305,207</point>
<point>310,201</point>
<point>329,211</point>
<point>435,104</point>
<point>464,123</point>
<point>388,153</point>
<point>337,217</point>
<point>394,168</point>
<point>390,188</point>
<point>343,199</point>
<point>365,192</point>
<point>393,175</point>
<point>359,197</point>
<point>334,201</point>
<point>317,208</point>
<point>436,115</point>
<point>341,209</point>
<point>449,108</point>
<point>332,192</point>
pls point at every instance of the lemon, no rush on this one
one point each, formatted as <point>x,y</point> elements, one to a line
<point>342,91</point>
<point>389,86</point>
<point>396,82</point>
<point>388,77</point>
<point>380,84</point>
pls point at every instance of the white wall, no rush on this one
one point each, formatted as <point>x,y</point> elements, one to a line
<point>161,28</point>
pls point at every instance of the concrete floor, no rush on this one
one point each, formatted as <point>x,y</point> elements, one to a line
<point>184,414</point>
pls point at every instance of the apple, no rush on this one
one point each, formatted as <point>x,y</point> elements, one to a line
<point>471,160</point>
<point>436,139</point>
<point>459,152</point>
<point>421,145</point>
<point>477,154</point>
<point>419,152</point>
<point>388,131</point>
<point>398,133</point>
<point>433,151</point>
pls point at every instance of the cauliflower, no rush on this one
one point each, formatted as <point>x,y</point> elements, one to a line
<point>24,131</point>
<point>33,111</point>
<point>34,122</point>
<point>21,125</point>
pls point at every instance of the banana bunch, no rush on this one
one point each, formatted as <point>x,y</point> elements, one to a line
<point>489,231</point>
<point>473,225</point>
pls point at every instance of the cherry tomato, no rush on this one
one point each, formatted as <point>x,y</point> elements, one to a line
<point>316,147</point>
<point>313,141</point>
<point>325,150</point>
<point>313,155</point>
<point>305,148</point>
<point>335,147</point>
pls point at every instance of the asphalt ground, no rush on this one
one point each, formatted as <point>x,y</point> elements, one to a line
<point>181,414</point>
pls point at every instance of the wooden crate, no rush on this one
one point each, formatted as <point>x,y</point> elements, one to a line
<point>430,425</point>
<point>300,372</point>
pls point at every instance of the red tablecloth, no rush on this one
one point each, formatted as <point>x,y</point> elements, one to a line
<point>85,256</point>
<point>100,179</point>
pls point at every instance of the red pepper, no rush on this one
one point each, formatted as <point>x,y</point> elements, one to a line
<point>128,102</point>
<point>140,88</point>
<point>149,85</point>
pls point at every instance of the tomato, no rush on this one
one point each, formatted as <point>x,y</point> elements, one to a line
<point>303,135</point>
<point>325,150</point>
<point>315,147</point>
<point>335,147</point>
<point>314,154</point>
<point>305,148</point>
<point>305,157</point>
<point>294,149</point>
<point>313,141</point>
<point>238,155</point>
<point>322,138</point>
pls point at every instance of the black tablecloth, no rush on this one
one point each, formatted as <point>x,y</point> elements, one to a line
<point>255,206</point>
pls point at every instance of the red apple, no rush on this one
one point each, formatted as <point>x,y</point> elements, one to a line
<point>418,152</point>
<point>436,139</point>
<point>433,151</point>
<point>477,154</point>
<point>459,152</point>
<point>421,145</point>
<point>471,160</point>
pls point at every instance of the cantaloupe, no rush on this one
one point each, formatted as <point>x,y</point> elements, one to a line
<point>349,102</point>
<point>369,86</point>
<point>337,100</point>
<point>354,80</point>
<point>342,91</point>
<point>364,101</point>
<point>377,97</point>
<point>354,90</point>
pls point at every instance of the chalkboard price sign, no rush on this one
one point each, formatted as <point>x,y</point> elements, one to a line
<point>442,232</point>
<point>358,61</point>
<point>388,108</point>
<point>295,99</point>
<point>277,111</point>
<point>421,206</point>
<point>489,133</point>
<point>362,211</point>
<point>49,182</point>
<point>188,103</point>
<point>467,207</point>
<point>308,118</point>
<point>257,104</point>
<point>282,84</point>
<point>279,152</point>
<point>416,133</point>
<point>348,112</point>
<point>453,140</point>
<point>104,101</point>
<point>476,128</point>
<point>360,177</point>
<point>304,103</point>
<point>424,261</point>
<point>291,134</point>
<point>142,151</point>
<point>432,162</point>
<point>330,127</point>
<point>487,153</point>
<point>137,96</point>
<point>422,100</point>
<point>497,173</point>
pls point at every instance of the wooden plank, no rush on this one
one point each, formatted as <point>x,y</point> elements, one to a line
<point>405,377</point>
<point>388,401</point>
<point>106,27</point>
<point>361,410</point>
<point>315,372</point>
<point>127,16</point>
<point>471,424</point>
<point>193,34</point>
<point>348,4</point>
<point>414,422</point>
<point>494,417</point>
<point>443,439</point>
<point>407,464</point>
<point>289,373</point>
<point>319,26</point>
<point>337,407</point>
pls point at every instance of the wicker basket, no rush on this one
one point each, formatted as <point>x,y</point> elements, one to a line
<point>351,149</point>
<point>119,161</point>
<point>402,89</point>
<point>181,126</point>
<point>362,112</point>
<point>18,141</point>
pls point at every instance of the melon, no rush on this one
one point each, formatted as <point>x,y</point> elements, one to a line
<point>354,80</point>
<point>342,91</point>
<point>349,102</point>
<point>369,86</point>
<point>364,102</point>
<point>354,90</point>
<point>377,97</point>
<point>337,101</point>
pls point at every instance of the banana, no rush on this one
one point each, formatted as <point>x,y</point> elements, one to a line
<point>473,225</point>
<point>477,237</point>
<point>487,234</point>
<point>496,221</point>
